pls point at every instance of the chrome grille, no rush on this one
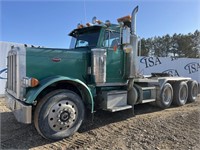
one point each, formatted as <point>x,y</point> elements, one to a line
<point>12,72</point>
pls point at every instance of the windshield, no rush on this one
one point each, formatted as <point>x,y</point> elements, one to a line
<point>86,38</point>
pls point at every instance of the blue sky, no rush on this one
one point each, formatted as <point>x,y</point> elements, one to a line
<point>48,22</point>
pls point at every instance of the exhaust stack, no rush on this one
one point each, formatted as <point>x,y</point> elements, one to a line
<point>131,58</point>
<point>133,20</point>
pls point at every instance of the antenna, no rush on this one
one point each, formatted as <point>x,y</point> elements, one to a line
<point>85,11</point>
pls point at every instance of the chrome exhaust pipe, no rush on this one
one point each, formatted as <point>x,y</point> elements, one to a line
<point>132,56</point>
<point>133,21</point>
<point>134,43</point>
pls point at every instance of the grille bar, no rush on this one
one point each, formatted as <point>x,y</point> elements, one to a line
<point>12,72</point>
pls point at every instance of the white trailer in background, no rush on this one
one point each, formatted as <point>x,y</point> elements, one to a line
<point>4,48</point>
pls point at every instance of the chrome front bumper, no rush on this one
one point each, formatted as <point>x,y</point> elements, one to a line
<point>22,112</point>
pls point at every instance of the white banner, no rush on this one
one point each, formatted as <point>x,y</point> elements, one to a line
<point>185,67</point>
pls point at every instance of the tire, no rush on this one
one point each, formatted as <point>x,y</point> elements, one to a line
<point>59,114</point>
<point>166,96</point>
<point>192,91</point>
<point>180,93</point>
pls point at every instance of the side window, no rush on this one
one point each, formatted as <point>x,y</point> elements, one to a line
<point>82,43</point>
<point>111,39</point>
<point>72,43</point>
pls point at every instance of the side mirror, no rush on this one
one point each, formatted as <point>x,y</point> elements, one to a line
<point>126,34</point>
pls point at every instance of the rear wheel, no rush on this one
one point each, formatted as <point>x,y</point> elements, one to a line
<point>59,114</point>
<point>166,96</point>
<point>180,93</point>
<point>192,91</point>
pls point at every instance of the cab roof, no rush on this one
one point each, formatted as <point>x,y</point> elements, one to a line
<point>92,28</point>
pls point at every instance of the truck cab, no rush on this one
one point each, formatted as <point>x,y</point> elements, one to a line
<point>53,87</point>
<point>96,39</point>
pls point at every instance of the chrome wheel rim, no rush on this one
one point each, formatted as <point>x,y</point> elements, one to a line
<point>167,96</point>
<point>62,115</point>
<point>194,91</point>
<point>183,94</point>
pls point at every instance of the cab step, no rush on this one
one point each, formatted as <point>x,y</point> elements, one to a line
<point>119,108</point>
<point>148,88</point>
<point>148,100</point>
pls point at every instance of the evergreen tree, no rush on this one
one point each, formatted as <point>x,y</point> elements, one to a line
<point>178,45</point>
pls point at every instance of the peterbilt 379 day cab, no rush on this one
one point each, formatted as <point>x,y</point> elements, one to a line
<point>54,87</point>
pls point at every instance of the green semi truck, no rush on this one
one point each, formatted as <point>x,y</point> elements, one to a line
<point>54,87</point>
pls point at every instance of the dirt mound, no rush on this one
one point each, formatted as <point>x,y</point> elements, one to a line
<point>151,128</point>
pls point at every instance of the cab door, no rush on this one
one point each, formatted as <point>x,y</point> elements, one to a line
<point>115,57</point>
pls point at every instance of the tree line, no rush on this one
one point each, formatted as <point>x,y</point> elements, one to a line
<point>177,45</point>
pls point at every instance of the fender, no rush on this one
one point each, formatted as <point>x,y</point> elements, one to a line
<point>163,80</point>
<point>33,93</point>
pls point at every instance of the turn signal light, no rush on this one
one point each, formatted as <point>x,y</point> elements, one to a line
<point>124,19</point>
<point>30,82</point>
<point>34,82</point>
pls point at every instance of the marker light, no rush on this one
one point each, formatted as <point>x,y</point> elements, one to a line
<point>88,24</point>
<point>99,21</point>
<point>107,23</point>
<point>79,26</point>
<point>124,19</point>
<point>94,20</point>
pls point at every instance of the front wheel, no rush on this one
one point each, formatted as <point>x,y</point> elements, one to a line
<point>59,114</point>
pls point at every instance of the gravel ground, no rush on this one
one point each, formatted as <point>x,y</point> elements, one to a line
<point>152,128</point>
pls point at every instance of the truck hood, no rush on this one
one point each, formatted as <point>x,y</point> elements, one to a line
<point>45,62</point>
